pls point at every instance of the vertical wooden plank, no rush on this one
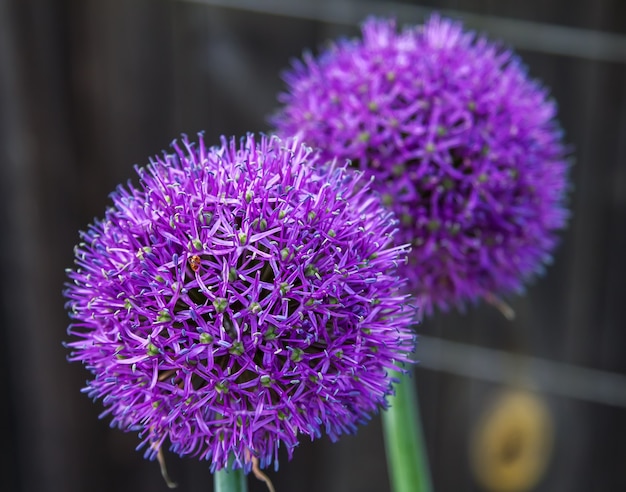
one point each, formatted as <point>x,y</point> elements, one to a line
<point>36,185</point>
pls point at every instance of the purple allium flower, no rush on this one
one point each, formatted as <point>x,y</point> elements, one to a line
<point>462,145</point>
<point>241,296</point>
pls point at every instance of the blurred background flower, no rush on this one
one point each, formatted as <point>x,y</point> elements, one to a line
<point>463,145</point>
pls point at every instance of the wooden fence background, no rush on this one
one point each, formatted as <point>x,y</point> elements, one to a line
<point>89,88</point>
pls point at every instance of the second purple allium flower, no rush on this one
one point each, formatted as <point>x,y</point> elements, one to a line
<point>240,297</point>
<point>463,146</point>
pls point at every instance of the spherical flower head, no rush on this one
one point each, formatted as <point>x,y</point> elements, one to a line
<point>241,296</point>
<point>463,147</point>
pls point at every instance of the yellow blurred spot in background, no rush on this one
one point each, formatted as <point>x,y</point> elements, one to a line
<point>512,442</point>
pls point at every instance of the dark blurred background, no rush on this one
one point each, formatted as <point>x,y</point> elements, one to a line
<point>88,88</point>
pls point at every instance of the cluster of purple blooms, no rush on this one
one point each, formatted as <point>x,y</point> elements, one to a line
<point>247,294</point>
<point>462,145</point>
<point>241,296</point>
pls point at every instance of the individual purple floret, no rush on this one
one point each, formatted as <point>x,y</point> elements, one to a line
<point>463,146</point>
<point>240,297</point>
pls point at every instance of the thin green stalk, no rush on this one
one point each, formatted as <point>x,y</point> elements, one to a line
<point>407,460</point>
<point>227,480</point>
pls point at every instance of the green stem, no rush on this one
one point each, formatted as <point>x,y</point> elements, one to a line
<point>230,481</point>
<point>404,440</point>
